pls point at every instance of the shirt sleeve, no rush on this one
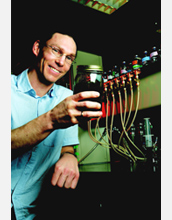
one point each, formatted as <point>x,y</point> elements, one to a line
<point>71,136</point>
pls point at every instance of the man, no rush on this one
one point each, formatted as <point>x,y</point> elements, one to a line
<point>44,123</point>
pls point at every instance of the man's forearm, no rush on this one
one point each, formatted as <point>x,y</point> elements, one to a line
<point>31,133</point>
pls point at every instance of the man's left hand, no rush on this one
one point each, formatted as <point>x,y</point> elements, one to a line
<point>66,172</point>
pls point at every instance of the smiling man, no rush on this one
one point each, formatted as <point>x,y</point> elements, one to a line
<point>44,118</point>
<point>60,47</point>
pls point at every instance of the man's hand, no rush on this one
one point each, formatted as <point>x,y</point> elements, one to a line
<point>66,113</point>
<point>66,172</point>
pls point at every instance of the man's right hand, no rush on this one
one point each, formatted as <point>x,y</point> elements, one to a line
<point>66,113</point>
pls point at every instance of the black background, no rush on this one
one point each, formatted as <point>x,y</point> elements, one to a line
<point>116,37</point>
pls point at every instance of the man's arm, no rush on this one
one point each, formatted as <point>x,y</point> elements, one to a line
<point>62,115</point>
<point>31,133</point>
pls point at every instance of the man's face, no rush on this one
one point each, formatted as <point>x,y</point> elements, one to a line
<point>51,66</point>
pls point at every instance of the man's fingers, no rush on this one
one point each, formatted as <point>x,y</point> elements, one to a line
<point>89,105</point>
<point>92,114</point>
<point>74,182</point>
<point>55,177</point>
<point>85,95</point>
<point>61,180</point>
<point>67,180</point>
<point>71,180</point>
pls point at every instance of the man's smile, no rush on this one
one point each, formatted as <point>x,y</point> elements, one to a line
<point>52,68</point>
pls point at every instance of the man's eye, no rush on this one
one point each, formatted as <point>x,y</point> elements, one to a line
<point>55,49</point>
<point>70,58</point>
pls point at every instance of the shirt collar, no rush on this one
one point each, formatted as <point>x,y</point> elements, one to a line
<point>52,92</point>
<point>24,85</point>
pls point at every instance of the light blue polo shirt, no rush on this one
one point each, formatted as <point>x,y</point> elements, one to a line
<point>29,170</point>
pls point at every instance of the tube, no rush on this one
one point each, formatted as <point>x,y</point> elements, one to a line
<point>122,122</point>
<point>131,104</point>
<point>92,137</point>
<point>83,158</point>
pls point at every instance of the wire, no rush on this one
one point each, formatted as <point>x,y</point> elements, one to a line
<point>83,158</point>
<point>125,108</point>
<point>112,116</point>
<point>124,150</point>
<point>92,137</point>
<point>117,148</point>
<point>122,122</point>
<point>107,101</point>
<point>131,104</point>
<point>137,107</point>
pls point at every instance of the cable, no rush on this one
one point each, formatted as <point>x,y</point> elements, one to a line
<point>137,107</point>
<point>112,115</point>
<point>131,104</point>
<point>83,158</point>
<point>122,122</point>
<point>117,148</point>
<point>124,150</point>
<point>107,100</point>
<point>125,107</point>
<point>92,137</point>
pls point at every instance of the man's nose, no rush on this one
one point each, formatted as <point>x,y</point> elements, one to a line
<point>61,60</point>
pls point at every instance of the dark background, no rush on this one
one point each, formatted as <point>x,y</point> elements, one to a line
<point>116,37</point>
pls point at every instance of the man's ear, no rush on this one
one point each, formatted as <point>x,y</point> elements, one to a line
<point>35,48</point>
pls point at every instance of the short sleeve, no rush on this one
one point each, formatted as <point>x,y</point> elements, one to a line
<point>71,136</point>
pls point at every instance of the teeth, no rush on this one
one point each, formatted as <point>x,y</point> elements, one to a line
<point>54,69</point>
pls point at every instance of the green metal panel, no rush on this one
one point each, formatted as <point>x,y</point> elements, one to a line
<point>150,91</point>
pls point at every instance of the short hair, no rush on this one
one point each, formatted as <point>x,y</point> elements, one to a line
<point>47,35</point>
<point>29,59</point>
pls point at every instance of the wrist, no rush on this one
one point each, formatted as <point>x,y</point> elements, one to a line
<point>51,120</point>
<point>66,152</point>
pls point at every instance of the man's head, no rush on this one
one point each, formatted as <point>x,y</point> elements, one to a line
<point>54,56</point>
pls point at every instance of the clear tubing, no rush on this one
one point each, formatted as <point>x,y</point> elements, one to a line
<point>100,132</point>
<point>114,146</point>
<point>122,122</point>
<point>117,148</point>
<point>130,125</point>
<point>131,104</point>
<point>125,108</point>
<point>107,100</point>
<point>92,137</point>
<point>137,106</point>
<point>123,151</point>
<point>83,158</point>
<point>112,117</point>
